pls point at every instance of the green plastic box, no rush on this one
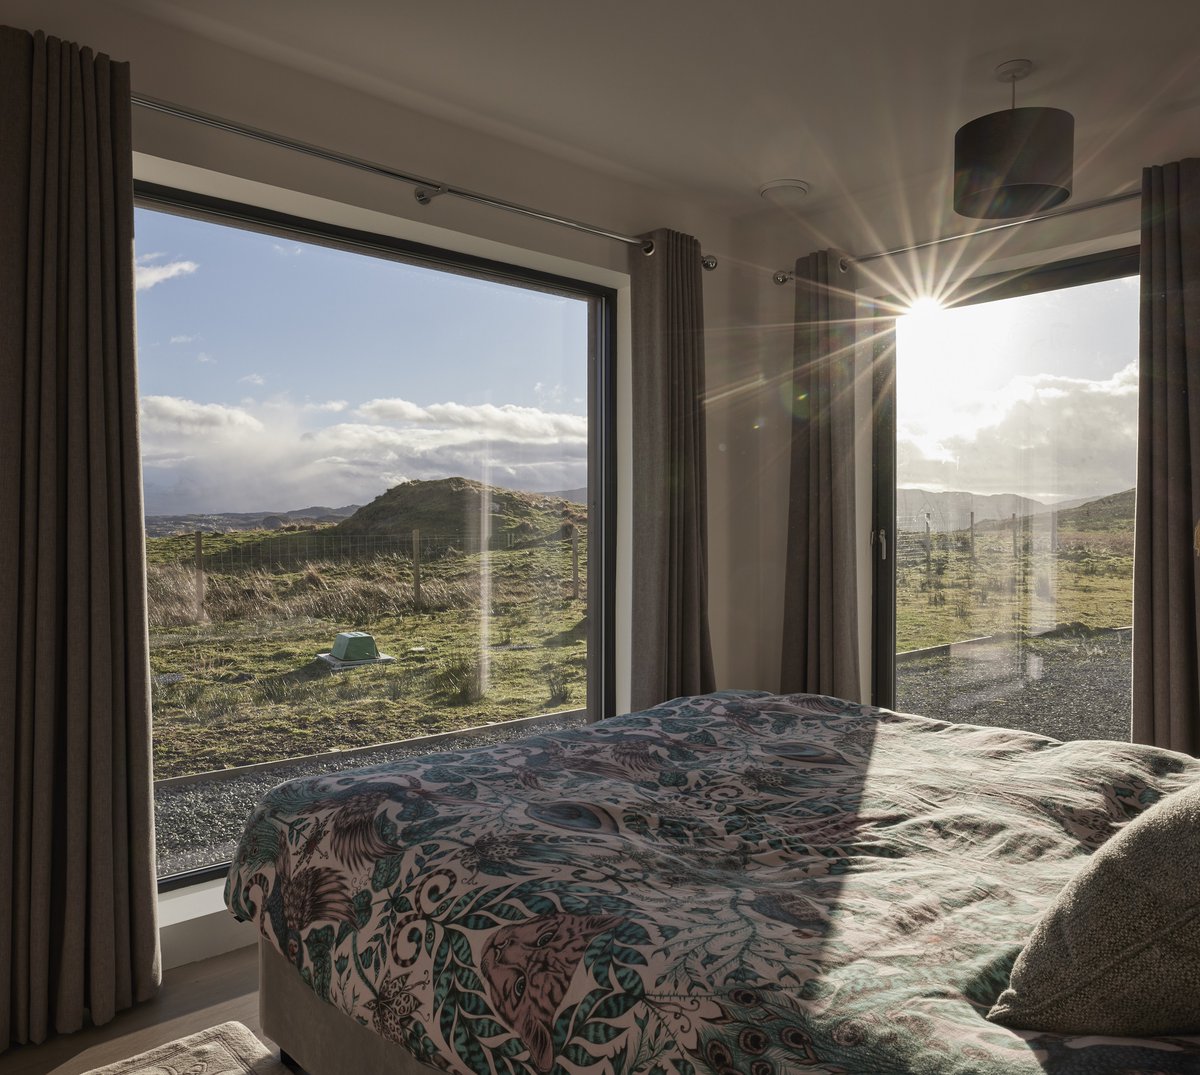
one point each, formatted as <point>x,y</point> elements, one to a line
<point>354,646</point>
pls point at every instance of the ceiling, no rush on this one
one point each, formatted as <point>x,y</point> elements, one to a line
<point>717,96</point>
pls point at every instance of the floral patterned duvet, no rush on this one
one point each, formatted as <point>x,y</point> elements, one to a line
<point>735,884</point>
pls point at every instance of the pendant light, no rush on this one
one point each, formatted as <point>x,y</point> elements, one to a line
<point>1016,162</point>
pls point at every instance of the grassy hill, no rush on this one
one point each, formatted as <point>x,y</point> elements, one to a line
<point>445,511</point>
<point>1113,512</point>
<point>454,507</point>
<point>489,638</point>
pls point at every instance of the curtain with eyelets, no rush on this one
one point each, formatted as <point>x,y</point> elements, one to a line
<point>820,624</point>
<point>78,930</point>
<point>1166,572</point>
<point>671,645</point>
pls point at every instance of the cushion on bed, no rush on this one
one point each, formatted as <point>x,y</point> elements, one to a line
<point>1118,952</point>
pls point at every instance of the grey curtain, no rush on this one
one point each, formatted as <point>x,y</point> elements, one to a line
<point>1166,582</point>
<point>78,925</point>
<point>672,651</point>
<point>820,624</point>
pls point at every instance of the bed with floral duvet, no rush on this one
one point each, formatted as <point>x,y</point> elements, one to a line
<point>733,883</point>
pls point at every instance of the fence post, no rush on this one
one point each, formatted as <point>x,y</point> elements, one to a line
<point>416,559</point>
<point>199,590</point>
<point>972,535</point>
<point>1014,528</point>
<point>928,550</point>
<point>575,563</point>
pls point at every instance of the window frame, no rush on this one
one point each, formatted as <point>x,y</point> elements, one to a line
<point>601,410</point>
<point>1050,276</point>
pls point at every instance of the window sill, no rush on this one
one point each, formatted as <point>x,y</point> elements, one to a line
<point>193,924</point>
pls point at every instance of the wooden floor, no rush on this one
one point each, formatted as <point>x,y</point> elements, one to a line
<point>192,998</point>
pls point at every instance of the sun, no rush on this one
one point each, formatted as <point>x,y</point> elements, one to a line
<point>924,308</point>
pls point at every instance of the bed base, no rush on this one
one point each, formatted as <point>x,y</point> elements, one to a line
<point>316,1038</point>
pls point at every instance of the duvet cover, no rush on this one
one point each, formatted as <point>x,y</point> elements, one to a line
<point>732,884</point>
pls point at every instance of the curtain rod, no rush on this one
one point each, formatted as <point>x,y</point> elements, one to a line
<point>783,276</point>
<point>426,189</point>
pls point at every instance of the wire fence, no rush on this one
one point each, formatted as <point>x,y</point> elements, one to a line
<point>182,566</point>
<point>288,551</point>
<point>918,543</point>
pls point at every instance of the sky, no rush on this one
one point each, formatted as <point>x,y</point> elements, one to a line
<point>277,375</point>
<point>1035,395</point>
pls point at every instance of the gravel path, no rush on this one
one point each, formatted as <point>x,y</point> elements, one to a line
<point>1066,688</point>
<point>199,824</point>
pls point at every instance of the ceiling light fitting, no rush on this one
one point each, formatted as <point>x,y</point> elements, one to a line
<point>1016,162</point>
<point>785,193</point>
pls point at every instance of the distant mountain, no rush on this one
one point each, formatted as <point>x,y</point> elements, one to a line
<point>450,509</point>
<point>572,496</point>
<point>951,510</point>
<point>221,522</point>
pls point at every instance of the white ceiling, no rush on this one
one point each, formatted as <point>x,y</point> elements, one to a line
<point>717,96</point>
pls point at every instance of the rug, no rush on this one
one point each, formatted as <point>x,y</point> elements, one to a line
<point>228,1049</point>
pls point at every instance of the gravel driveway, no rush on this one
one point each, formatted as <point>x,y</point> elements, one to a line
<point>1065,687</point>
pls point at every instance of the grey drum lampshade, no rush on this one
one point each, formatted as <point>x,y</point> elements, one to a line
<point>1013,163</point>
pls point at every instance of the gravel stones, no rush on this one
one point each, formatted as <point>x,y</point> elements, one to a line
<point>199,823</point>
<point>1065,688</point>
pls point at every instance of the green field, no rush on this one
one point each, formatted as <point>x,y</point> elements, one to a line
<point>245,686</point>
<point>1080,574</point>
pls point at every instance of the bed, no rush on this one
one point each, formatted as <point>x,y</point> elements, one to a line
<point>734,883</point>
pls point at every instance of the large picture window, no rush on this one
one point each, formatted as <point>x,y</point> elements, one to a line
<point>1010,539</point>
<point>375,484</point>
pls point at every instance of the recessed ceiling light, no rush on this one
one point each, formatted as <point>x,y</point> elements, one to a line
<point>786,193</point>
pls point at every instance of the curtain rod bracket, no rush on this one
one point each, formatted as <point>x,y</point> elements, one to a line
<point>648,247</point>
<point>425,195</point>
<point>708,261</point>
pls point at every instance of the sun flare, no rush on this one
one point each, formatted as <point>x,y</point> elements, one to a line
<point>925,306</point>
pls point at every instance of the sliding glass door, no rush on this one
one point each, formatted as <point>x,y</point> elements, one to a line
<point>1004,528</point>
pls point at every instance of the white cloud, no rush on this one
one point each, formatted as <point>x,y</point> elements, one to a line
<point>392,410</point>
<point>504,422</point>
<point>204,358</point>
<point>174,415</point>
<point>146,276</point>
<point>253,378</point>
<point>287,251</point>
<point>184,339</point>
<point>548,395</point>
<point>1047,436</point>
<point>276,453</point>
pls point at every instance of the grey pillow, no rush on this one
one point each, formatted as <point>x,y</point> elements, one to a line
<point>1118,952</point>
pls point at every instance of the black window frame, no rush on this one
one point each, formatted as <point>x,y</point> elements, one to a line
<point>602,433</point>
<point>1051,276</point>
